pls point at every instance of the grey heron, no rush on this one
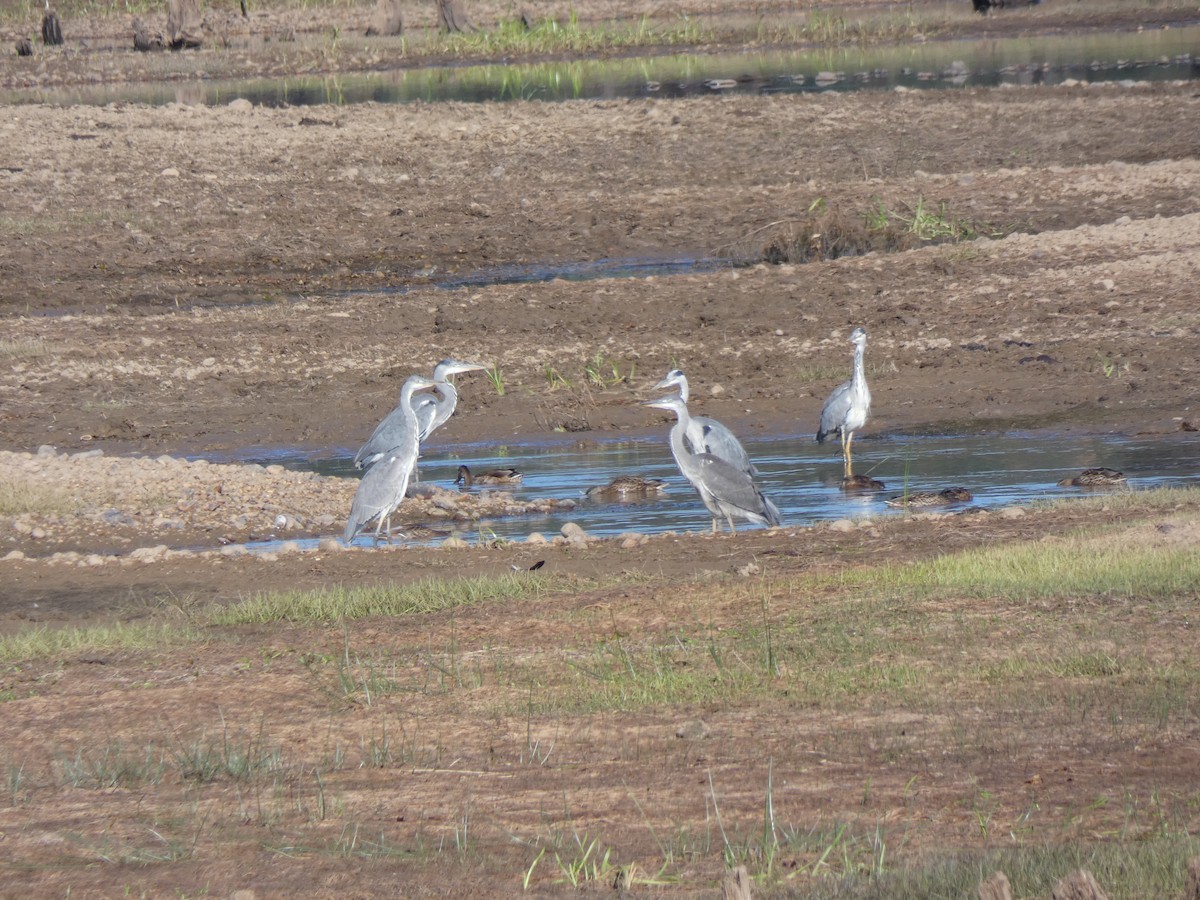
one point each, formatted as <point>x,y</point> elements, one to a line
<point>492,476</point>
<point>431,414</point>
<point>726,490</point>
<point>944,497</point>
<point>625,487</point>
<point>383,487</point>
<point>708,435</point>
<point>847,407</point>
<point>1101,477</point>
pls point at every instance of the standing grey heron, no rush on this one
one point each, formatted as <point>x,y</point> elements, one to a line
<point>726,490</point>
<point>431,414</point>
<point>846,409</point>
<point>383,487</point>
<point>708,435</point>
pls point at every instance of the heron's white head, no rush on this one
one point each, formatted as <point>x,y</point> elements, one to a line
<point>673,378</point>
<point>417,383</point>
<point>448,367</point>
<point>858,337</point>
<point>673,403</point>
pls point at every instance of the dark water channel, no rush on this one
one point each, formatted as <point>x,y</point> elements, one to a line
<point>799,475</point>
<point>1151,55</point>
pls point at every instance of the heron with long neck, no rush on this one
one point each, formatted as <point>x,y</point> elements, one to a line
<point>727,491</point>
<point>431,413</point>
<point>848,405</point>
<point>383,487</point>
<point>707,435</point>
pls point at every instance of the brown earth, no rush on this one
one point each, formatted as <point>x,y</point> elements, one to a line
<point>191,281</point>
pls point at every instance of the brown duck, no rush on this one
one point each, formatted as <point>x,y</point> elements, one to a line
<point>492,476</point>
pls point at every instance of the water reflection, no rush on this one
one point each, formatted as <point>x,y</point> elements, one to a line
<point>1151,55</point>
<point>801,477</point>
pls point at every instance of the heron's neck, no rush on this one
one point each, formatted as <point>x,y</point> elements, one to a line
<point>406,409</point>
<point>859,377</point>
<point>679,449</point>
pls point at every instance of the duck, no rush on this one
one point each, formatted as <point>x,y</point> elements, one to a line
<point>853,484</point>
<point>1100,477</point>
<point>944,497</point>
<point>492,476</point>
<point>624,487</point>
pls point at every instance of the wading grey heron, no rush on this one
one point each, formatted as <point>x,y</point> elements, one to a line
<point>1102,477</point>
<point>383,487</point>
<point>847,407</point>
<point>625,487</point>
<point>431,413</point>
<point>726,490</point>
<point>492,476</point>
<point>944,497</point>
<point>708,435</point>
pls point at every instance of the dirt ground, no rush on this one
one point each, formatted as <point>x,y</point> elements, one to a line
<point>223,282</point>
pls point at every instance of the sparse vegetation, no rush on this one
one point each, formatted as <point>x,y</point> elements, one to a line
<point>602,371</point>
<point>827,231</point>
<point>339,603</point>
<point>871,668</point>
<point>20,497</point>
<point>496,377</point>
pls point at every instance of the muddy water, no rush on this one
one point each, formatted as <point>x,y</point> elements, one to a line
<point>800,476</point>
<point>1159,54</point>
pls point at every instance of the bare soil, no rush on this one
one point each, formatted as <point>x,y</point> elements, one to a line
<point>191,281</point>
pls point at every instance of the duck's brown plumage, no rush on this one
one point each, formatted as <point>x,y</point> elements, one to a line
<point>861,483</point>
<point>626,486</point>
<point>944,497</point>
<point>1100,477</point>
<point>492,476</point>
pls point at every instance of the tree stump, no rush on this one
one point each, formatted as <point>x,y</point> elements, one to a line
<point>1078,886</point>
<point>451,17</point>
<point>995,888</point>
<point>51,29</point>
<point>185,28</point>
<point>736,885</point>
<point>24,47</point>
<point>387,20</point>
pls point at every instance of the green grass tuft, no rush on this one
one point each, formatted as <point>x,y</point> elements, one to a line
<point>340,603</point>
<point>19,498</point>
<point>41,642</point>
<point>1075,567</point>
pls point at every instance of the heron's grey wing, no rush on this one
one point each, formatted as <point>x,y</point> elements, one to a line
<point>379,492</point>
<point>834,410</point>
<point>388,433</point>
<point>720,441</point>
<point>730,487</point>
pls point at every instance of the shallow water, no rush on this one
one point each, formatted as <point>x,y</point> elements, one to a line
<point>800,476</point>
<point>1151,55</point>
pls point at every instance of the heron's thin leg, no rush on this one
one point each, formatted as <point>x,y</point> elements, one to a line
<point>729,519</point>
<point>849,456</point>
<point>716,526</point>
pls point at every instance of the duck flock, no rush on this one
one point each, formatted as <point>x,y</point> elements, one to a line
<point>707,453</point>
